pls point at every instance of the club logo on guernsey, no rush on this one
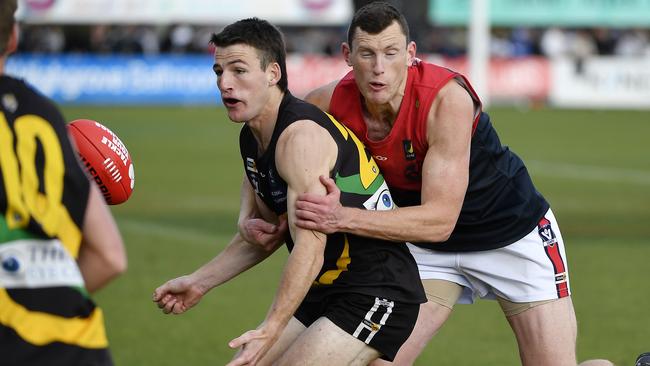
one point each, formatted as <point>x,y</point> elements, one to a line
<point>409,153</point>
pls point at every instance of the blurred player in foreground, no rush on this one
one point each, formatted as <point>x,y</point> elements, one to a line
<point>58,240</point>
<point>342,299</point>
<point>478,225</point>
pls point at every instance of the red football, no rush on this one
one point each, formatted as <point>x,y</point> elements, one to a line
<point>106,158</point>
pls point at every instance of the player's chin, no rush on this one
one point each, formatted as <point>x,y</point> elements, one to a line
<point>236,115</point>
<point>378,97</point>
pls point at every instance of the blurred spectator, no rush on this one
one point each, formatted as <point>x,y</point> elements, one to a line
<point>523,43</point>
<point>42,39</point>
<point>500,44</point>
<point>605,41</point>
<point>446,41</point>
<point>633,43</point>
<point>180,38</point>
<point>554,43</point>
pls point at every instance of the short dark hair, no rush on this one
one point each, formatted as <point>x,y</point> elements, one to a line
<point>373,18</point>
<point>261,35</point>
<point>7,21</point>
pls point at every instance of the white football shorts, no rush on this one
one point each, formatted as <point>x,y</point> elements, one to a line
<point>531,269</point>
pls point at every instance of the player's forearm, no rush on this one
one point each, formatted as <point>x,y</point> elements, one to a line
<point>301,269</point>
<point>102,256</point>
<point>414,224</point>
<point>235,259</point>
<point>98,269</point>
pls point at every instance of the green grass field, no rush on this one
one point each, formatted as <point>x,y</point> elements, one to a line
<point>593,166</point>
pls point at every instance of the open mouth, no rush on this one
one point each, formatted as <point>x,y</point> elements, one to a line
<point>230,102</point>
<point>375,85</point>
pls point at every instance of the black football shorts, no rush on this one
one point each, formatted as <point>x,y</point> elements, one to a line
<point>380,323</point>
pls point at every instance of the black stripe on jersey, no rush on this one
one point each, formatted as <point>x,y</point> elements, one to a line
<point>65,302</point>
<point>22,353</point>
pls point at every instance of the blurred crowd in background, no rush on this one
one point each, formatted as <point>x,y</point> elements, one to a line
<point>444,41</point>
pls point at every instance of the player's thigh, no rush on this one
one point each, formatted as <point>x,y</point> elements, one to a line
<point>546,334</point>
<point>548,318</point>
<point>324,343</point>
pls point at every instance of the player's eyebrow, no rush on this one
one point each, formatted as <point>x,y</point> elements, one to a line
<point>235,61</point>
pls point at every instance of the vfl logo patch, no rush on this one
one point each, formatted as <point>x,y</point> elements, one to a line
<point>546,233</point>
<point>409,154</point>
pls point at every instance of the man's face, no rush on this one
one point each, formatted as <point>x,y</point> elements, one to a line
<point>380,63</point>
<point>244,86</point>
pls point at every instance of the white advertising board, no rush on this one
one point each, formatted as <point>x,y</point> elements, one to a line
<point>604,82</point>
<point>306,12</point>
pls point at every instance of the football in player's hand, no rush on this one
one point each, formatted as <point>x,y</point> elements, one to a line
<point>105,157</point>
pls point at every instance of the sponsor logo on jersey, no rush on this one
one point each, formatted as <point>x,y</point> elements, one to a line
<point>412,172</point>
<point>380,158</point>
<point>36,263</point>
<point>381,200</point>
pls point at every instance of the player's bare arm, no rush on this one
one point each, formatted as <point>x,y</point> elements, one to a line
<point>180,294</point>
<point>101,256</point>
<point>255,222</point>
<point>304,152</point>
<point>445,174</point>
<point>252,227</point>
<point>321,97</point>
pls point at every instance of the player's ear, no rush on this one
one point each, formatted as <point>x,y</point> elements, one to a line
<point>411,49</point>
<point>12,44</point>
<point>274,73</point>
<point>345,50</point>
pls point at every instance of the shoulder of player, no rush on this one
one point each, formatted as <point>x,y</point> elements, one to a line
<point>302,143</point>
<point>303,134</point>
<point>322,96</point>
<point>453,101</point>
<point>32,101</point>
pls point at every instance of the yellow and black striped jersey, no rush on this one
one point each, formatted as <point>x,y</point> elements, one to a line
<point>46,315</point>
<point>352,263</point>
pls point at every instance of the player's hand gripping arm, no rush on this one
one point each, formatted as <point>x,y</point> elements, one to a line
<point>101,256</point>
<point>445,175</point>
<point>180,294</point>
<point>304,152</point>
<point>254,228</point>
